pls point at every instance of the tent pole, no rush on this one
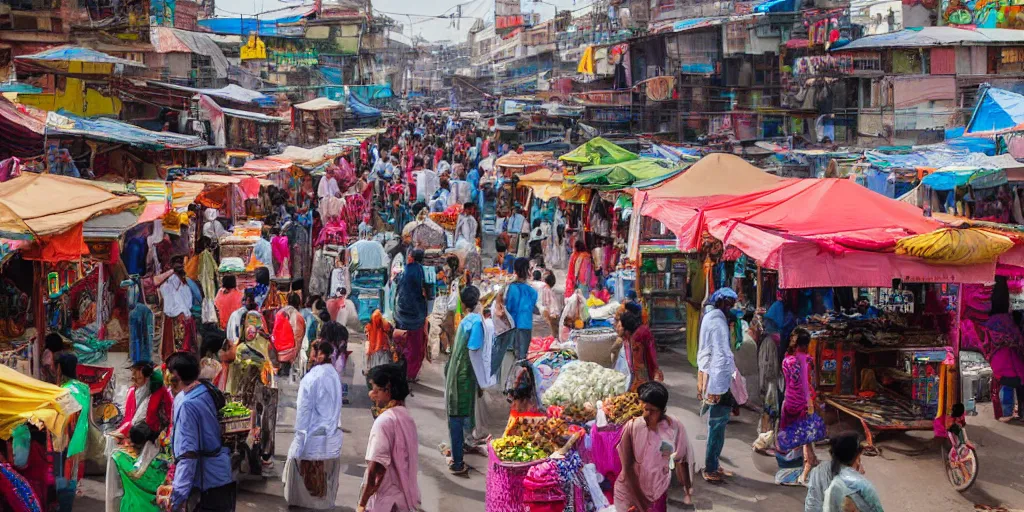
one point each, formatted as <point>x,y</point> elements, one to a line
<point>40,316</point>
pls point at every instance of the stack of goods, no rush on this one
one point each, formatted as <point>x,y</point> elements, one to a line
<point>449,218</point>
<point>517,449</point>
<point>546,434</point>
<point>581,383</point>
<point>579,414</point>
<point>549,365</point>
<point>235,417</point>
<point>622,408</point>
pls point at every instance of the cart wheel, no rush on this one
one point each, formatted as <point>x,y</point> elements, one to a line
<point>963,472</point>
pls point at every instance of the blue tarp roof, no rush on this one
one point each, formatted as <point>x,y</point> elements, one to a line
<point>277,23</point>
<point>949,180</point>
<point>111,130</point>
<point>998,109</point>
<point>360,109</point>
<point>937,156</point>
<point>77,54</point>
<point>776,6</point>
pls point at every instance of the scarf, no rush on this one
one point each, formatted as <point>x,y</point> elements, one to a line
<point>142,396</point>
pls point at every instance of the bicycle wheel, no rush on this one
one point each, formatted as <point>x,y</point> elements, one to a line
<point>962,473</point>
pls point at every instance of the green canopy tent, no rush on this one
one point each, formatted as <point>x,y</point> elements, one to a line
<point>598,151</point>
<point>648,171</point>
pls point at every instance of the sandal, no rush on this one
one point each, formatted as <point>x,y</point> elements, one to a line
<point>463,471</point>
<point>712,478</point>
<point>724,474</point>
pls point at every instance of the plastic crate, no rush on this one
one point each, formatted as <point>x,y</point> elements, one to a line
<point>367,300</point>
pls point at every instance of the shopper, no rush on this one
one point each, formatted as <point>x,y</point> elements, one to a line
<point>411,313</point>
<point>797,403</point>
<point>179,327</point>
<point>715,369</point>
<point>229,299</point>
<point>392,461</point>
<point>521,301</point>
<point>460,382</point>
<point>640,350</point>
<point>314,458</point>
<point>649,446</point>
<point>202,473</point>
<point>840,485</point>
<point>69,464</point>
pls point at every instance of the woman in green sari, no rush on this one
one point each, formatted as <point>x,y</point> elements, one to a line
<point>135,472</point>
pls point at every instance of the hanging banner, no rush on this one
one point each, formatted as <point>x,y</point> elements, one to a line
<point>660,88</point>
<point>508,16</point>
<point>254,49</point>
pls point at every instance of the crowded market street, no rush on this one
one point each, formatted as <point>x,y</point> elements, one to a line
<point>903,480</point>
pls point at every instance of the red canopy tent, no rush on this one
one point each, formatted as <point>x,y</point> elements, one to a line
<point>816,232</point>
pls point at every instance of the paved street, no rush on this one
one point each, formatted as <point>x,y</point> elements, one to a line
<point>906,482</point>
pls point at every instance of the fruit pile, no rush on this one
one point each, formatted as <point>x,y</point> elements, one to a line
<point>516,449</point>
<point>547,434</point>
<point>235,410</point>
<point>579,414</point>
<point>622,408</point>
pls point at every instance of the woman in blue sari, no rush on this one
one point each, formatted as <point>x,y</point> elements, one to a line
<point>411,313</point>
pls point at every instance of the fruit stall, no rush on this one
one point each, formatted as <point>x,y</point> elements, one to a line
<point>565,457</point>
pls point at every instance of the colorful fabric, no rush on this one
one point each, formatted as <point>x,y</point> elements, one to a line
<point>178,333</point>
<point>80,434</point>
<point>139,482</point>
<point>460,381</point>
<point>650,452</point>
<point>641,357</point>
<point>795,371</point>
<point>16,491</point>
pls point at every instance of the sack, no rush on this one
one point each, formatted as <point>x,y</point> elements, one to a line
<point>806,430</point>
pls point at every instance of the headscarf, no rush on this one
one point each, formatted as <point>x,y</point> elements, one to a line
<point>723,293</point>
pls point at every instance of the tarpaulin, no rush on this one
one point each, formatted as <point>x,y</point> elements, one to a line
<point>598,151</point>
<point>626,174</point>
<point>359,109</point>
<point>319,104</point>
<point>717,174</point>
<point>267,165</point>
<point>65,246</point>
<point>524,159</point>
<point>78,54</point>
<point>172,40</point>
<point>110,130</point>
<point>998,109</point>
<point>277,23</point>
<point>831,215</point>
<point>545,183</point>
<point>365,93</point>
<point>46,204</point>
<point>250,187</point>
<point>215,115</point>
<point>21,134</point>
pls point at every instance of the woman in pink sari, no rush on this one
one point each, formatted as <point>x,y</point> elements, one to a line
<point>649,448</point>
<point>390,484</point>
<point>581,271</point>
<point>796,403</point>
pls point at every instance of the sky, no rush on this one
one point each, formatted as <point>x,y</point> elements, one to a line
<point>422,25</point>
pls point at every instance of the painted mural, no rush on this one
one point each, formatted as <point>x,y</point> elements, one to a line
<point>983,13</point>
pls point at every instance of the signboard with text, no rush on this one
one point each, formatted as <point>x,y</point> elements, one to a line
<point>508,16</point>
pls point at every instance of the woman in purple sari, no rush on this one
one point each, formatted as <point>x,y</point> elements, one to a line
<point>797,402</point>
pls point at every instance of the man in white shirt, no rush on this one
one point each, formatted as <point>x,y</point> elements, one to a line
<point>715,369</point>
<point>179,326</point>
<point>328,185</point>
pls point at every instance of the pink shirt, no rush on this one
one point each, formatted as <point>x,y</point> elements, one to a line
<point>393,444</point>
<point>650,451</point>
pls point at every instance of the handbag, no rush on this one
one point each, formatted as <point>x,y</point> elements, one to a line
<point>806,430</point>
<point>502,319</point>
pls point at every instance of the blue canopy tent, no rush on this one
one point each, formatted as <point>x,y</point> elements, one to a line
<point>998,109</point>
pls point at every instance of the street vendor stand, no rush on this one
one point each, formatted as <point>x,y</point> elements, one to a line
<point>317,120</point>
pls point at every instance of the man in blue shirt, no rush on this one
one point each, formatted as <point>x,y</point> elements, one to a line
<point>521,301</point>
<point>203,466</point>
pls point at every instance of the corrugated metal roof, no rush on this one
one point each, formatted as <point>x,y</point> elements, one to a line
<point>925,37</point>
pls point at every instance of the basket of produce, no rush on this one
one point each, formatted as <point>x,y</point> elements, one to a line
<point>235,418</point>
<point>581,383</point>
<point>549,434</point>
<point>594,345</point>
<point>622,408</point>
<point>509,459</point>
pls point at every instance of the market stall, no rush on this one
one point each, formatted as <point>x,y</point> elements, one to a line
<point>318,120</point>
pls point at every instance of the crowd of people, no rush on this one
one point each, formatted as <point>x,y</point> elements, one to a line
<point>435,301</point>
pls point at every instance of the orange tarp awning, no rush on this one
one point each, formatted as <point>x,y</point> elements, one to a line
<point>46,204</point>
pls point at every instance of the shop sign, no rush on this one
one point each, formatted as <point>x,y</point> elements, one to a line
<point>823,65</point>
<point>508,16</point>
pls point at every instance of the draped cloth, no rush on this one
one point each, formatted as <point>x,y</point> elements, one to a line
<point>132,479</point>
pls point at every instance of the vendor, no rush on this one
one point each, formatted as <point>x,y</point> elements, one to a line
<point>639,349</point>
<point>865,309</point>
<point>148,401</point>
<point>647,448</point>
<point>179,327</point>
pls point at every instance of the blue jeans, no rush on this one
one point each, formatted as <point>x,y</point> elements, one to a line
<point>521,345</point>
<point>1007,401</point>
<point>718,418</point>
<point>457,436</point>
